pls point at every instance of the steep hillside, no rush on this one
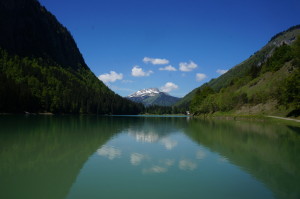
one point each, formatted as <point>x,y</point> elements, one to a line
<point>272,66</point>
<point>42,70</point>
<point>184,103</point>
<point>257,59</point>
<point>271,87</point>
<point>162,99</point>
<point>29,30</point>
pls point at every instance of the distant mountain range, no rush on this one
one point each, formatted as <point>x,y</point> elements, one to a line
<point>153,96</point>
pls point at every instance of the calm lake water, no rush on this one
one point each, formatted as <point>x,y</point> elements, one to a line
<point>87,157</point>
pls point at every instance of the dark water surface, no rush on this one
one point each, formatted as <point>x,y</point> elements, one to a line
<point>87,157</point>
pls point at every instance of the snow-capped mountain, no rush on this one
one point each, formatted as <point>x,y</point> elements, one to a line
<point>149,92</point>
<point>153,96</point>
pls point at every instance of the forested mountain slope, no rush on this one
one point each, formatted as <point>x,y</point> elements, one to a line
<point>42,70</point>
<point>257,59</point>
<point>267,82</point>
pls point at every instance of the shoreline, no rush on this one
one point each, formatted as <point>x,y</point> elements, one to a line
<point>283,118</point>
<point>258,118</point>
<point>218,116</point>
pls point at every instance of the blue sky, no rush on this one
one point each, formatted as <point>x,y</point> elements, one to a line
<point>173,45</point>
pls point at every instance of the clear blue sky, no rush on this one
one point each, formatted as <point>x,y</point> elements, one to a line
<point>136,44</point>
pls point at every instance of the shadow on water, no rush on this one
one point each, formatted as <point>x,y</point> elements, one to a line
<point>41,156</point>
<point>268,152</point>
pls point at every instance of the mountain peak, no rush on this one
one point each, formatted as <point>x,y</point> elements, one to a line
<point>153,96</point>
<point>148,92</point>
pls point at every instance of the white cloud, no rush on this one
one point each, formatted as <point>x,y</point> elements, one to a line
<point>136,158</point>
<point>186,67</point>
<point>155,61</point>
<point>200,77</point>
<point>168,143</point>
<point>139,72</point>
<point>155,169</point>
<point>221,71</point>
<point>168,68</point>
<point>168,87</point>
<point>110,77</point>
<point>109,152</point>
<point>187,165</point>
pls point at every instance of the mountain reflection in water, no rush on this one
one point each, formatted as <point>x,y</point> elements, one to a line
<point>109,157</point>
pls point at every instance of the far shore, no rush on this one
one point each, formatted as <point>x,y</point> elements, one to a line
<point>260,118</point>
<point>218,116</point>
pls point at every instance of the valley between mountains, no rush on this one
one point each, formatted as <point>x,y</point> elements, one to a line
<point>42,71</point>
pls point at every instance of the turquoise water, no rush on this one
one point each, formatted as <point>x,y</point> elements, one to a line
<point>146,157</point>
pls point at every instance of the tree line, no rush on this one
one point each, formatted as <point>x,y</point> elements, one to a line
<point>36,85</point>
<point>285,90</point>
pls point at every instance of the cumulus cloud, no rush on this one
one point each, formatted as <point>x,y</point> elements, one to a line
<point>109,152</point>
<point>221,71</point>
<point>110,77</point>
<point>155,61</point>
<point>168,87</point>
<point>186,67</point>
<point>168,68</point>
<point>200,77</point>
<point>187,165</point>
<point>136,71</point>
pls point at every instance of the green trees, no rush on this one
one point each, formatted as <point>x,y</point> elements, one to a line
<point>33,85</point>
<point>290,93</point>
<point>160,110</point>
<point>257,85</point>
<point>280,56</point>
<point>42,69</point>
<point>199,103</point>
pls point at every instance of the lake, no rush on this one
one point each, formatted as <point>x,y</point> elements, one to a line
<point>87,157</point>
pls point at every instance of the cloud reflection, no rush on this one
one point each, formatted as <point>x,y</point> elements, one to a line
<point>168,143</point>
<point>168,162</point>
<point>142,136</point>
<point>109,152</point>
<point>155,169</point>
<point>223,159</point>
<point>137,158</point>
<point>187,165</point>
<point>200,154</point>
